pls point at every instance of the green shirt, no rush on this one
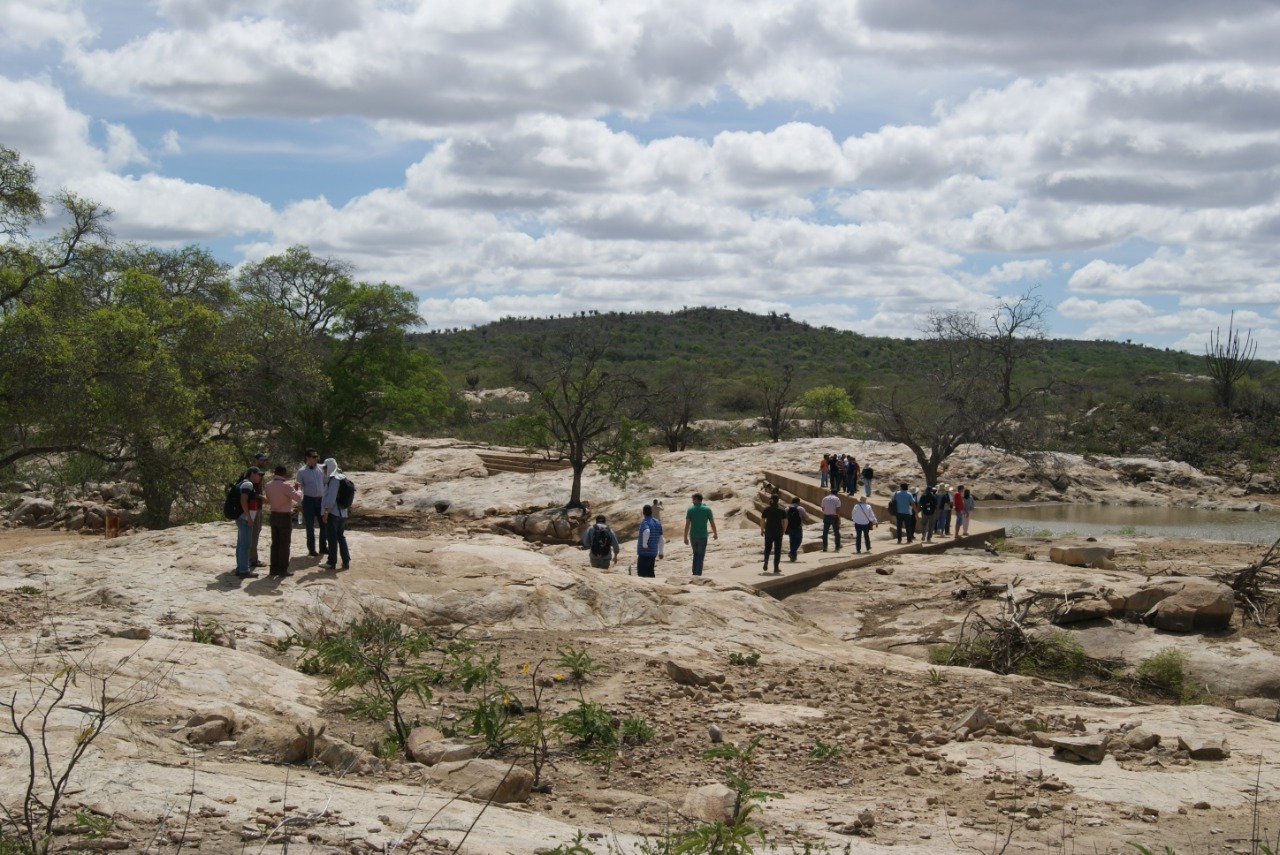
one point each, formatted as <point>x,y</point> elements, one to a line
<point>698,516</point>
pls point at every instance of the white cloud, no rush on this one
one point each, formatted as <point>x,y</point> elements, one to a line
<point>32,23</point>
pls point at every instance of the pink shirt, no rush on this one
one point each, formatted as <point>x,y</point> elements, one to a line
<point>280,495</point>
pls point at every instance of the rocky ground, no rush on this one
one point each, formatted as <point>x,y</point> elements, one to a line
<point>231,748</point>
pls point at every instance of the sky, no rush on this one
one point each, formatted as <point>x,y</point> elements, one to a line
<point>854,163</point>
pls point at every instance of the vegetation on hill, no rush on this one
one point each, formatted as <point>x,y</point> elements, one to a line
<point>1107,397</point>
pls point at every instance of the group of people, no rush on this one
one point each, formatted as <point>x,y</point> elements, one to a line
<point>315,489</point>
<point>841,472</point>
<point>931,512</point>
<point>699,527</point>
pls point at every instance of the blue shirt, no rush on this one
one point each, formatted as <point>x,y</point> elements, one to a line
<point>650,540</point>
<point>902,502</point>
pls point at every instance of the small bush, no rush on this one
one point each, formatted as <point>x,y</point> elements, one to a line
<point>744,660</point>
<point>637,731</point>
<point>590,725</point>
<point>1166,672</point>
<point>822,751</point>
<point>578,663</point>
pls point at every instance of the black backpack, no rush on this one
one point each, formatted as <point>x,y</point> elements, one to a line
<point>793,515</point>
<point>346,493</point>
<point>601,543</point>
<point>231,504</point>
<point>928,503</point>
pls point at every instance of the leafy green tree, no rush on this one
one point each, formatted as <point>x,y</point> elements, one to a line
<point>826,404</point>
<point>584,409</point>
<point>335,353</point>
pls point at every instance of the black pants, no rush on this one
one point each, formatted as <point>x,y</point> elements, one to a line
<point>645,565</point>
<point>773,542</point>
<point>281,532</point>
<point>907,526</point>
<point>862,531</point>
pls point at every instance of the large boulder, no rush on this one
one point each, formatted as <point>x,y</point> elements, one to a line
<point>712,803</point>
<point>1183,604</point>
<point>484,780</point>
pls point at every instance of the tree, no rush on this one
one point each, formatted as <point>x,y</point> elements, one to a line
<point>675,402</point>
<point>335,354</point>
<point>584,410</point>
<point>773,392</point>
<point>1228,361</point>
<point>826,404</point>
<point>965,386</point>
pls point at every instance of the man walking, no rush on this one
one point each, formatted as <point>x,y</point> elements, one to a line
<point>797,518</point>
<point>867,474</point>
<point>831,516</point>
<point>600,541</point>
<point>281,497</point>
<point>696,520</point>
<point>649,544</point>
<point>310,480</point>
<point>903,506</point>
<point>773,521</point>
<point>864,518</point>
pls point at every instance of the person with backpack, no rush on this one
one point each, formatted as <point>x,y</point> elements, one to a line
<point>600,540</point>
<point>250,510</point>
<point>928,504</point>
<point>797,518</point>
<point>339,493</point>
<point>697,519</point>
<point>867,474</point>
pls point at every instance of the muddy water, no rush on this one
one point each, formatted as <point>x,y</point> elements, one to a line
<point>1084,520</point>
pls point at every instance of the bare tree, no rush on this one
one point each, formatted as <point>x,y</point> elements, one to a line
<point>1228,361</point>
<point>584,408</point>
<point>965,386</point>
<point>675,402</point>
<point>773,389</point>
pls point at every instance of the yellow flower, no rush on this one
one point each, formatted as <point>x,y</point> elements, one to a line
<point>524,669</point>
<point>559,677</point>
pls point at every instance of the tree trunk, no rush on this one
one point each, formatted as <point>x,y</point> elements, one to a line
<point>575,494</point>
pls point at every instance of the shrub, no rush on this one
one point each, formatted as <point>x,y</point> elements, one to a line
<point>1165,671</point>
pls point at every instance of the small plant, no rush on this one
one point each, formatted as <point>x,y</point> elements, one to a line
<point>573,847</point>
<point>637,731</point>
<point>747,660</point>
<point>28,590</point>
<point>578,663</point>
<point>590,725</point>
<point>93,825</point>
<point>1057,656</point>
<point>935,677</point>
<point>374,657</point>
<point>822,751</point>
<point>205,633</point>
<point>1166,672</point>
<point>490,719</point>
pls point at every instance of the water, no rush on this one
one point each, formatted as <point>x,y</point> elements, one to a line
<point>1085,520</point>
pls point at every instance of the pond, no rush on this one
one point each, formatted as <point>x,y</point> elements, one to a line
<point>1094,520</point>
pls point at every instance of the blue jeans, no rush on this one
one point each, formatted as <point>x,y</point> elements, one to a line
<point>311,517</point>
<point>866,485</point>
<point>699,547</point>
<point>822,477</point>
<point>338,540</point>
<point>244,534</point>
<point>794,535</point>
<point>829,523</point>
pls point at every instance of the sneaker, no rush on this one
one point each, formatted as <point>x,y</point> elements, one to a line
<point>313,554</point>
<point>251,574</point>
<point>331,566</point>
<point>346,566</point>
<point>777,572</point>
